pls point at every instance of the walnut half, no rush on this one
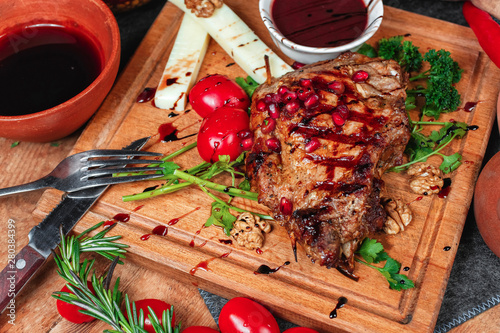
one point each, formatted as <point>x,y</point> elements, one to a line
<point>248,231</point>
<point>203,8</point>
<point>425,178</point>
<point>398,215</point>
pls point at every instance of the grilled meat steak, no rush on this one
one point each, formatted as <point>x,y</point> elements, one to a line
<point>324,135</point>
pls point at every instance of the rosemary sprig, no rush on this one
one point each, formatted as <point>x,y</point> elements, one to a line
<point>102,303</point>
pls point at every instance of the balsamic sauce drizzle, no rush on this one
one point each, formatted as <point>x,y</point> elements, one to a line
<point>264,269</point>
<point>340,304</point>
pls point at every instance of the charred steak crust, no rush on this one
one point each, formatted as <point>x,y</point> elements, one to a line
<point>323,138</point>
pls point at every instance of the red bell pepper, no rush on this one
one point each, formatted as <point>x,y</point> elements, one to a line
<point>486,30</point>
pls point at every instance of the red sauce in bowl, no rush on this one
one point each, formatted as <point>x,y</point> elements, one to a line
<point>320,23</point>
<point>44,65</point>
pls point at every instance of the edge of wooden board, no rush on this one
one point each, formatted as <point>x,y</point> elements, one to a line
<point>420,306</point>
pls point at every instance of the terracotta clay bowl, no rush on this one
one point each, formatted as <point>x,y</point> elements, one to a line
<point>487,204</point>
<point>98,22</point>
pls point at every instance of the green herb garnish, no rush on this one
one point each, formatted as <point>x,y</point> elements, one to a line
<point>404,52</point>
<point>440,93</point>
<point>421,147</point>
<point>104,303</point>
<point>248,84</point>
<point>373,252</point>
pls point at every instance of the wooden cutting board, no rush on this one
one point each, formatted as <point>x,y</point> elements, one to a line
<point>302,292</point>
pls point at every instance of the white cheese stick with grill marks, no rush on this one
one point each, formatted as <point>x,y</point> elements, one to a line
<point>240,42</point>
<point>182,66</point>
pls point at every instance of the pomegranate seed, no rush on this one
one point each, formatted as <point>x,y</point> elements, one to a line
<point>274,145</point>
<point>243,134</point>
<point>312,145</point>
<point>282,90</point>
<point>336,87</point>
<point>311,101</point>
<point>273,110</point>
<point>337,119</point>
<point>286,207</point>
<point>303,94</point>
<point>360,76</point>
<point>247,143</point>
<point>290,96</point>
<point>268,125</point>
<point>306,83</point>
<point>261,105</point>
<point>276,98</point>
<point>297,65</point>
<point>268,98</point>
<point>292,107</point>
<point>343,111</point>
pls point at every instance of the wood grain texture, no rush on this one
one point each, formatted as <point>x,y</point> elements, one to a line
<point>302,292</point>
<point>35,310</point>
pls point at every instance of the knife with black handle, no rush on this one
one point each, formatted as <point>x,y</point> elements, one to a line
<point>45,237</point>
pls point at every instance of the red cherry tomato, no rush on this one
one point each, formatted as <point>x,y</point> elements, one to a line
<point>300,330</point>
<point>158,307</point>
<point>215,91</point>
<point>242,315</point>
<point>222,132</point>
<point>71,312</point>
<point>199,329</point>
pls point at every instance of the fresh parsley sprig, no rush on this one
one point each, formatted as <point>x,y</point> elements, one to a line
<point>438,81</point>
<point>421,147</point>
<point>404,52</point>
<point>373,252</point>
<point>440,93</point>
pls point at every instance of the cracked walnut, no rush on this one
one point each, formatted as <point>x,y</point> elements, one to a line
<point>248,231</point>
<point>203,8</point>
<point>425,178</point>
<point>399,215</point>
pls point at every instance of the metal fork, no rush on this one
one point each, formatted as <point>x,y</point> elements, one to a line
<point>90,169</point>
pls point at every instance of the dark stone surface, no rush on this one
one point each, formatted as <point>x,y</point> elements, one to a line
<point>134,25</point>
<point>450,11</point>
<point>474,282</point>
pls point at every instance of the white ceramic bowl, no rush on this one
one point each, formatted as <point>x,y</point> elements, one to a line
<point>308,54</point>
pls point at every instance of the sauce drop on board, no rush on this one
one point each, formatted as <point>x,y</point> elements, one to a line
<point>340,304</point>
<point>160,230</point>
<point>203,265</point>
<point>122,217</point>
<point>45,67</point>
<point>108,223</point>
<point>264,269</point>
<point>168,133</point>
<point>445,190</point>
<point>146,95</point>
<point>470,106</point>
<point>320,23</point>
